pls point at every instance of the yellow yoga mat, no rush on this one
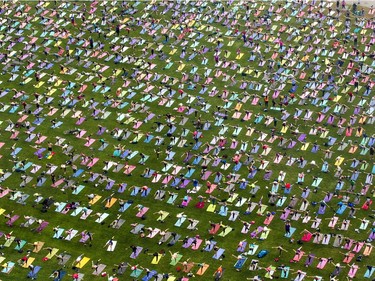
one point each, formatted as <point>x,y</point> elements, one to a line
<point>201,27</point>
<point>284,129</point>
<point>51,92</point>
<point>249,71</point>
<point>58,82</point>
<point>95,199</point>
<point>39,84</point>
<point>156,260</point>
<point>232,198</point>
<point>339,161</point>
<point>190,24</point>
<point>238,106</point>
<point>324,134</point>
<point>305,146</point>
<point>29,262</point>
<point>52,254</point>
<point>110,203</point>
<point>211,208</point>
<point>239,56</point>
<point>82,262</point>
<point>163,216</point>
<point>181,67</point>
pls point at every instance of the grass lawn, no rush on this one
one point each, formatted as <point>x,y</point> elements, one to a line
<point>104,103</point>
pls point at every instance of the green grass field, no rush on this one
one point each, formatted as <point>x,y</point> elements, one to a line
<point>116,86</point>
